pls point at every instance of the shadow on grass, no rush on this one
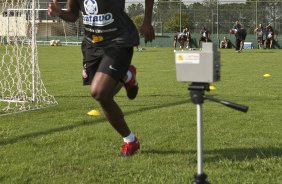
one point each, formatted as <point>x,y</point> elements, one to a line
<point>47,132</point>
<point>16,139</point>
<point>266,52</point>
<point>235,154</point>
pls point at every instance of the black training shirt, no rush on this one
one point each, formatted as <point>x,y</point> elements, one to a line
<point>106,23</point>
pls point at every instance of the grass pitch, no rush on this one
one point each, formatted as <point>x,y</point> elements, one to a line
<point>62,144</point>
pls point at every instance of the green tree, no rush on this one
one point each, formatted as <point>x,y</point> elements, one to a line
<point>172,24</point>
<point>200,13</point>
<point>166,11</point>
<point>138,20</point>
<point>135,9</point>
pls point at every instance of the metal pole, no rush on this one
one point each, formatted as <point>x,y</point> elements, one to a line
<point>212,22</point>
<point>47,22</point>
<point>274,15</point>
<point>199,140</point>
<point>180,24</point>
<point>77,31</point>
<point>217,19</point>
<point>8,27</point>
<point>256,13</point>
<point>33,44</point>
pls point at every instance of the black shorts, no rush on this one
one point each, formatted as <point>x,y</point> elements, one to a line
<point>113,61</point>
<point>260,39</point>
<point>203,39</point>
<point>242,34</point>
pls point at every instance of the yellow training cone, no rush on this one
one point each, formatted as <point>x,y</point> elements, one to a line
<point>266,75</point>
<point>212,88</point>
<point>94,113</point>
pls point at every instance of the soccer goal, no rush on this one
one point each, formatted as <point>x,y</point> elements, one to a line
<point>21,86</point>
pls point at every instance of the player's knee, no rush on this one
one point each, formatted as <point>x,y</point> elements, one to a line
<point>99,95</point>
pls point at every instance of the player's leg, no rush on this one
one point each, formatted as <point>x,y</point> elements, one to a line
<point>270,43</point>
<point>242,45</point>
<point>259,43</point>
<point>265,43</point>
<point>222,44</point>
<point>238,43</point>
<point>243,38</point>
<point>103,90</point>
<point>175,42</point>
<point>188,42</point>
<point>130,83</point>
<point>181,42</point>
<point>105,84</point>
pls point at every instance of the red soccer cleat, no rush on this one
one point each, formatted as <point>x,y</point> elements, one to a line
<point>128,149</point>
<point>132,85</point>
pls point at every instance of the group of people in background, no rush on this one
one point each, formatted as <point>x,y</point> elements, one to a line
<point>181,38</point>
<point>265,37</point>
<point>185,36</point>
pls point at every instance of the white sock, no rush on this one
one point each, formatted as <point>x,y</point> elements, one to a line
<point>129,138</point>
<point>129,76</point>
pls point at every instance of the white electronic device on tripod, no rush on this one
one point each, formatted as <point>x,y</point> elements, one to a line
<point>198,65</point>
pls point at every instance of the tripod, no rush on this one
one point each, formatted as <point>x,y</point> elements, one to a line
<point>197,91</point>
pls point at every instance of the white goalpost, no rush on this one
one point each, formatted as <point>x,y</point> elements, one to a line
<point>21,87</point>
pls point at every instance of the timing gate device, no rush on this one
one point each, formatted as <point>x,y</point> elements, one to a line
<point>200,68</point>
<point>198,65</point>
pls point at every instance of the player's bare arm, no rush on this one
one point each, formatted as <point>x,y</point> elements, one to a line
<point>71,14</point>
<point>147,30</point>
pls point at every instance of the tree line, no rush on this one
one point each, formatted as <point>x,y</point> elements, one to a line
<point>171,16</point>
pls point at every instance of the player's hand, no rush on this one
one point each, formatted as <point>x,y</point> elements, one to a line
<point>54,8</point>
<point>147,31</point>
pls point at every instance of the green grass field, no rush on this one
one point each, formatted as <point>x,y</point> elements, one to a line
<point>62,144</point>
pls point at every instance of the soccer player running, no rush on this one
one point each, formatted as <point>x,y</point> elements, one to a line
<point>107,49</point>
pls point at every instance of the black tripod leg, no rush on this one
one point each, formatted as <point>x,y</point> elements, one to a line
<point>200,179</point>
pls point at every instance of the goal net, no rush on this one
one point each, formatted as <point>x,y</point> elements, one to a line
<point>21,86</point>
<point>56,29</point>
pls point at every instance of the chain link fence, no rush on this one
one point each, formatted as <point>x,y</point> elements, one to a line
<point>217,16</point>
<point>172,16</point>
